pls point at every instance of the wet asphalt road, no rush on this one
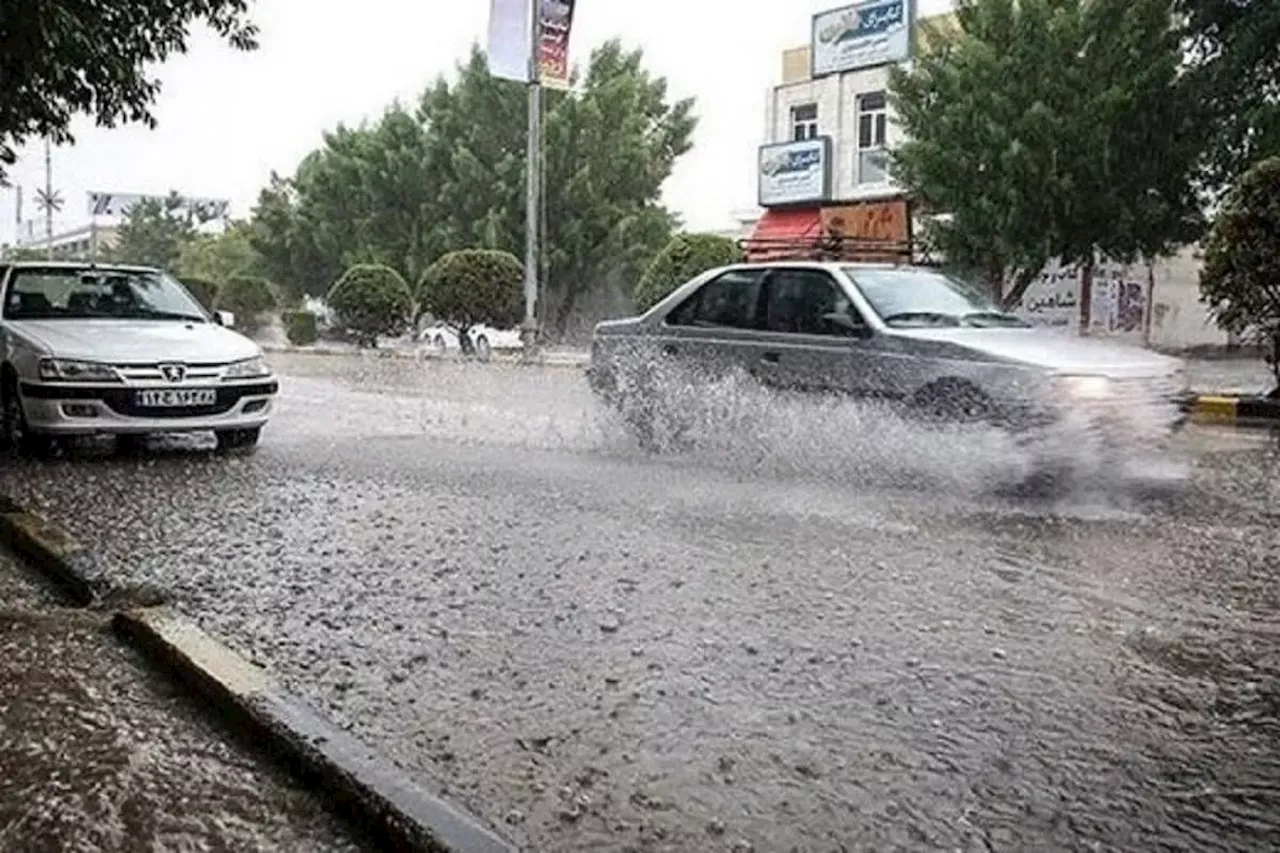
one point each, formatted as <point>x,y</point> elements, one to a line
<point>101,754</point>
<point>819,631</point>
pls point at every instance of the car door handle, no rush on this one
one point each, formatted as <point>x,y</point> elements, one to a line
<point>770,358</point>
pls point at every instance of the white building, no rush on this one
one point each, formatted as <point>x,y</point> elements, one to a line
<point>823,167</point>
<point>87,241</point>
<point>828,130</point>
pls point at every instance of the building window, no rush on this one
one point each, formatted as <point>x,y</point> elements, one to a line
<point>873,157</point>
<point>804,122</point>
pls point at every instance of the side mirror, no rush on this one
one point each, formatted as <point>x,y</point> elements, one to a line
<point>224,318</point>
<point>847,324</point>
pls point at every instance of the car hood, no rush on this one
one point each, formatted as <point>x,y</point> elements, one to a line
<point>140,341</point>
<point>1053,351</point>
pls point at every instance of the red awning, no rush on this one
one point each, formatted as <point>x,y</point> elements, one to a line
<point>780,232</point>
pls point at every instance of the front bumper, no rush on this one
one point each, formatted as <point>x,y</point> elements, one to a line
<point>59,409</point>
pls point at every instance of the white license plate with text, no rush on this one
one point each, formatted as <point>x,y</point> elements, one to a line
<point>171,398</point>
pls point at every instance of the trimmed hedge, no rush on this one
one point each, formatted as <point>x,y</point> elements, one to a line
<point>473,287</point>
<point>301,327</point>
<point>684,258</point>
<point>371,300</point>
<point>248,297</point>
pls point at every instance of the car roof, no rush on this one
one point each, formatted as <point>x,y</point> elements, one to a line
<point>827,265</point>
<point>77,265</point>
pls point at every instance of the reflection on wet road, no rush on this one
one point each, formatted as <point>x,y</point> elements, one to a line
<point>826,632</point>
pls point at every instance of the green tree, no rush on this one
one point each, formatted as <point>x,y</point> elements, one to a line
<point>248,297</point>
<point>219,257</point>
<point>204,290</point>
<point>1049,129</point>
<point>472,287</point>
<point>686,256</point>
<point>371,301</point>
<point>414,186</point>
<point>154,233</point>
<point>285,239</point>
<point>1241,277</point>
<point>1233,77</point>
<point>59,58</point>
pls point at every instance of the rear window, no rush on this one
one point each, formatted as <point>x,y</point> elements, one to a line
<point>727,301</point>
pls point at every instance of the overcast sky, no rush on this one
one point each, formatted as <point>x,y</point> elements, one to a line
<point>227,119</point>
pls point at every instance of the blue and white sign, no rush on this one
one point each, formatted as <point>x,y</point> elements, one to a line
<point>795,172</point>
<point>874,32</point>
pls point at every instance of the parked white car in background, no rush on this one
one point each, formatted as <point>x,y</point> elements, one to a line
<point>121,350</point>
<point>484,339</point>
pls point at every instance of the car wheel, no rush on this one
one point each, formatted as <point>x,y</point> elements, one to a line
<point>238,439</point>
<point>954,401</point>
<point>483,350</point>
<point>438,343</point>
<point>15,434</point>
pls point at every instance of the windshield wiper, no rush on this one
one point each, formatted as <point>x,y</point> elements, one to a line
<point>1000,318</point>
<point>932,317</point>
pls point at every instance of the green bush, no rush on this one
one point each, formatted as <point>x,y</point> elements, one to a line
<point>1242,261</point>
<point>371,300</point>
<point>205,291</point>
<point>301,328</point>
<point>248,297</point>
<point>685,257</point>
<point>472,287</point>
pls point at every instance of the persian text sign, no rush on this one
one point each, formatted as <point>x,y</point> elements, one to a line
<point>553,50</point>
<point>875,32</point>
<point>119,204</point>
<point>795,172</point>
<point>884,222</point>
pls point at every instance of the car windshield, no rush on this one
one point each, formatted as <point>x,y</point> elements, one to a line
<point>917,297</point>
<point>55,293</point>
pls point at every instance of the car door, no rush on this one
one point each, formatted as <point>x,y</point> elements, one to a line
<point>714,331</point>
<point>814,338</point>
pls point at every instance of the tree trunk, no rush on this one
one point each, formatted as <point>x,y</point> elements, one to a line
<point>1275,363</point>
<point>464,341</point>
<point>1086,296</point>
<point>1021,281</point>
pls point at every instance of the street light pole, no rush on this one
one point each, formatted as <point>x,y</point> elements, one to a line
<point>48,194</point>
<point>533,188</point>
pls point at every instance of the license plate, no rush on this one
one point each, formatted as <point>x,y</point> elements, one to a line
<point>168,398</point>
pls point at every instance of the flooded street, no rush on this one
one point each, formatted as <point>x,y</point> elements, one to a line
<point>821,629</point>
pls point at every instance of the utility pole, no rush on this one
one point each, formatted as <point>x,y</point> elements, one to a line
<point>48,194</point>
<point>533,183</point>
<point>48,199</point>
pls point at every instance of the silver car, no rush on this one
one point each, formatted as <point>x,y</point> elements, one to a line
<point>933,344</point>
<point>89,349</point>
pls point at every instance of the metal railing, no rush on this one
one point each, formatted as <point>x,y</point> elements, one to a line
<point>830,247</point>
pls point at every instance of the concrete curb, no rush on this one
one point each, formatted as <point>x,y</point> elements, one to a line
<point>372,791</point>
<point>499,357</point>
<point>55,553</point>
<point>1243,410</point>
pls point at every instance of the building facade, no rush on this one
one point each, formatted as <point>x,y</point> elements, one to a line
<point>88,241</point>
<point>828,129</point>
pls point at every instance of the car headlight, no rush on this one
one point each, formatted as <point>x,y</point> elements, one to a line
<point>70,370</point>
<point>250,368</point>
<point>1085,387</point>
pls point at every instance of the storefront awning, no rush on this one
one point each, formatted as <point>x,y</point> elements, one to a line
<point>781,231</point>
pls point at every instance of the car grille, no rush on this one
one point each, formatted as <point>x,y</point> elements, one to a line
<point>121,400</point>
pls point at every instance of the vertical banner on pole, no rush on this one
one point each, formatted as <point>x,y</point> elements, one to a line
<point>555,25</point>
<point>510,32</point>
